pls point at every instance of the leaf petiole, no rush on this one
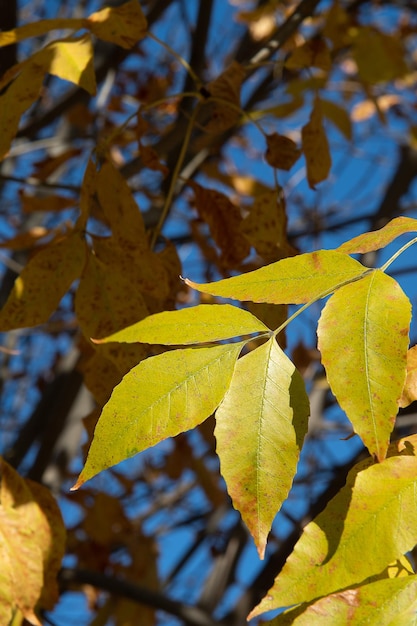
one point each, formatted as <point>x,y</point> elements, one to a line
<point>397,254</point>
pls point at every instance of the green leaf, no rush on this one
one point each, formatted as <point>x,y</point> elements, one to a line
<point>159,398</point>
<point>389,602</point>
<point>363,339</point>
<point>377,239</point>
<point>368,524</point>
<point>260,427</point>
<point>43,282</point>
<point>295,280</point>
<point>205,322</point>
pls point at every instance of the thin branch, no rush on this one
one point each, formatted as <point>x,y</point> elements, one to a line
<point>188,614</point>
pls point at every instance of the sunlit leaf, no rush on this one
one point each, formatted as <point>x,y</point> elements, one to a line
<point>316,147</point>
<point>363,339</point>
<point>43,282</point>
<point>295,280</point>
<point>71,60</point>
<point>260,426</point>
<point>409,393</point>
<point>378,239</point>
<point>282,151</point>
<point>32,539</point>
<point>368,524</point>
<point>122,25</point>
<point>367,108</point>
<point>205,322</point>
<point>386,602</point>
<point>159,398</point>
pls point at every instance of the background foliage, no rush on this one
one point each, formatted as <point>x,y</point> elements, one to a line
<point>247,133</point>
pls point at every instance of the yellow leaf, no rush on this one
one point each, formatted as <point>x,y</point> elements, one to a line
<point>313,53</point>
<point>409,394</point>
<point>316,147</point>
<point>367,108</point>
<point>282,151</point>
<point>124,25</point>
<point>224,220</point>
<point>227,88</point>
<point>32,539</point>
<point>38,28</point>
<point>342,547</point>
<point>266,226</point>
<point>71,60</point>
<point>377,239</point>
<point>42,283</point>
<point>260,426</point>
<point>363,339</point>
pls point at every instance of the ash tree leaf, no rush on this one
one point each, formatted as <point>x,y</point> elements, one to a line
<point>365,527</point>
<point>122,25</point>
<point>38,290</point>
<point>159,398</point>
<point>409,393</point>
<point>32,540</point>
<point>388,602</point>
<point>226,87</point>
<point>260,426</point>
<point>377,239</point>
<point>205,322</point>
<point>282,152</point>
<point>363,339</point>
<point>316,147</point>
<point>295,280</point>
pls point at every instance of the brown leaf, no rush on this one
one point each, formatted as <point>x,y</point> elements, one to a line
<point>313,53</point>
<point>266,226</point>
<point>224,220</point>
<point>316,147</point>
<point>151,160</point>
<point>226,87</point>
<point>282,151</point>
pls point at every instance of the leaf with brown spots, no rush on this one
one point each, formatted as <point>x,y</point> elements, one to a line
<point>224,220</point>
<point>43,282</point>
<point>226,87</point>
<point>316,147</point>
<point>260,427</point>
<point>266,226</point>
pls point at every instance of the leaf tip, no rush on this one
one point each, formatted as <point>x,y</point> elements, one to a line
<point>78,484</point>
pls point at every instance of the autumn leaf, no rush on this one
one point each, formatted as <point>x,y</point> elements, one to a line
<point>260,426</point>
<point>32,539</point>
<point>226,87</point>
<point>409,393</point>
<point>338,116</point>
<point>366,604</point>
<point>122,25</point>
<point>265,227</point>
<point>377,239</point>
<point>159,398</point>
<point>312,53</point>
<point>295,280</point>
<point>363,339</point>
<point>199,324</point>
<point>342,547</point>
<point>224,220</point>
<point>379,56</point>
<point>43,282</point>
<point>316,147</point>
<point>282,151</point>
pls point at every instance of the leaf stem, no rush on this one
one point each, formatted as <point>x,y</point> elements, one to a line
<point>320,296</point>
<point>397,254</point>
<point>179,58</point>
<point>175,175</point>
